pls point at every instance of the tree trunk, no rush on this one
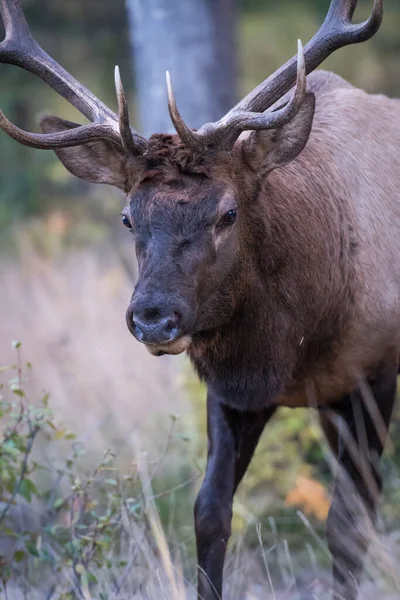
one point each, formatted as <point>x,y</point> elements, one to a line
<point>195,41</point>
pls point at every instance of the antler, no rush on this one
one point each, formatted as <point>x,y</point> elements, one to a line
<point>19,48</point>
<point>336,31</point>
<point>241,120</point>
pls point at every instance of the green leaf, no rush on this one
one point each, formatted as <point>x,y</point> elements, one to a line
<point>46,557</point>
<point>79,451</point>
<point>32,549</point>
<point>60,434</point>
<point>91,577</point>
<point>105,539</point>
<point>31,486</point>
<point>108,458</point>
<point>9,532</point>
<point>133,508</point>
<point>19,556</point>
<point>17,391</point>
<point>10,447</point>
<point>27,488</point>
<point>112,482</point>
<point>58,503</point>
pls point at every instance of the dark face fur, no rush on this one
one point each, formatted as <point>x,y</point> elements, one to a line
<point>187,240</point>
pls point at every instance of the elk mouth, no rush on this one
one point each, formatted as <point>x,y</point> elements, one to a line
<point>174,347</point>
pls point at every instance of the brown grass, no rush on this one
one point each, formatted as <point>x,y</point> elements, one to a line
<point>69,313</point>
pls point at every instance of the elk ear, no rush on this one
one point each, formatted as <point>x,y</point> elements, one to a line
<point>98,161</point>
<point>269,149</point>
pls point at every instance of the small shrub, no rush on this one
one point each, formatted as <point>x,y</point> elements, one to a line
<point>71,534</point>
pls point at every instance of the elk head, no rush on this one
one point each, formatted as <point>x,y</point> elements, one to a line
<point>190,197</point>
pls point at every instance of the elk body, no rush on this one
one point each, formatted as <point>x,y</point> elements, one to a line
<point>272,260</point>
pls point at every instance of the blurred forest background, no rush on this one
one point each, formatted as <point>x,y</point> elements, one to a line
<point>89,38</point>
<point>67,271</point>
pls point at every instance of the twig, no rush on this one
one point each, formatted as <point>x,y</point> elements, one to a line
<point>150,479</point>
<point>176,487</point>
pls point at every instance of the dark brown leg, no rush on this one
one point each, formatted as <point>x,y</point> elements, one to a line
<point>232,439</point>
<point>359,443</point>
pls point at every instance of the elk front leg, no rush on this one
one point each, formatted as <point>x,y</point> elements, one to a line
<point>359,446</point>
<point>232,439</point>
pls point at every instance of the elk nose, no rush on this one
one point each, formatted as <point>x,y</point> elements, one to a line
<point>153,325</point>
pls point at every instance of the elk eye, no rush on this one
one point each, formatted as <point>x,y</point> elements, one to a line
<point>229,218</point>
<point>126,222</point>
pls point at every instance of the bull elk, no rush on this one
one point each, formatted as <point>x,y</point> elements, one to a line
<point>271,259</point>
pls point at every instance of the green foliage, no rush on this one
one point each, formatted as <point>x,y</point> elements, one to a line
<point>87,520</point>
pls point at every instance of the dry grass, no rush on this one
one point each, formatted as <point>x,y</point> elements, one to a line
<point>155,568</point>
<point>70,314</point>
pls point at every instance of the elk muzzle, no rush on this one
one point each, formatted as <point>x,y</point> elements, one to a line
<point>160,325</point>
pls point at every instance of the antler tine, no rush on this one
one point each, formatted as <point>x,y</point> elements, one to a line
<point>336,31</point>
<point>123,113</point>
<point>367,29</point>
<point>339,19</point>
<point>240,121</point>
<point>15,24</point>
<point>187,135</point>
<point>64,139</point>
<point>20,48</point>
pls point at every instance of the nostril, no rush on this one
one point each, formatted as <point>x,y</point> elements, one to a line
<point>173,321</point>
